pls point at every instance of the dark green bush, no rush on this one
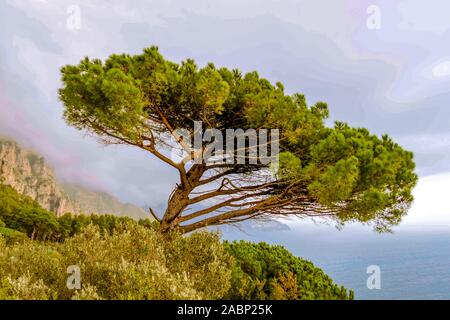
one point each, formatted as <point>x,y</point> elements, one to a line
<point>12,236</point>
<point>262,272</point>
<point>21,213</point>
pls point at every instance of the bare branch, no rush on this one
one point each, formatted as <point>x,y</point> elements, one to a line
<point>154,215</point>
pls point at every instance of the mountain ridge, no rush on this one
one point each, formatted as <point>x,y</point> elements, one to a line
<point>29,174</point>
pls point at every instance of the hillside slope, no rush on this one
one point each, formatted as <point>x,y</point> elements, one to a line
<point>101,202</point>
<point>29,174</point>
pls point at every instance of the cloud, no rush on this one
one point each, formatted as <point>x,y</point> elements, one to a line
<point>441,70</point>
<point>433,20</point>
<point>431,206</point>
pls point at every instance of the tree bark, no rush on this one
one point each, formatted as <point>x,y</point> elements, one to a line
<point>177,203</point>
<point>179,199</point>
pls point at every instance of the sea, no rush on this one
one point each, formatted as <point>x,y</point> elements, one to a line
<point>413,262</point>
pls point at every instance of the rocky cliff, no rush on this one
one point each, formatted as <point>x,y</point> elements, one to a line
<point>29,174</point>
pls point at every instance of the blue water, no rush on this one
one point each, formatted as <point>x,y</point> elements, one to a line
<point>414,263</point>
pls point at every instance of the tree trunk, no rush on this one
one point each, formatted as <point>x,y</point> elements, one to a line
<point>179,200</point>
<point>177,203</point>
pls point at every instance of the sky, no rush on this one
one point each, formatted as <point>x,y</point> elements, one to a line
<point>380,64</point>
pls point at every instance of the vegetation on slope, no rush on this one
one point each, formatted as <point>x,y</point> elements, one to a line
<point>265,272</point>
<point>21,213</point>
<point>120,258</point>
<point>133,263</point>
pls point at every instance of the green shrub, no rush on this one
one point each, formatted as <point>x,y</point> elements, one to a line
<point>12,236</point>
<point>264,272</point>
<point>210,271</point>
<point>21,213</point>
<point>24,288</point>
<point>133,262</point>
